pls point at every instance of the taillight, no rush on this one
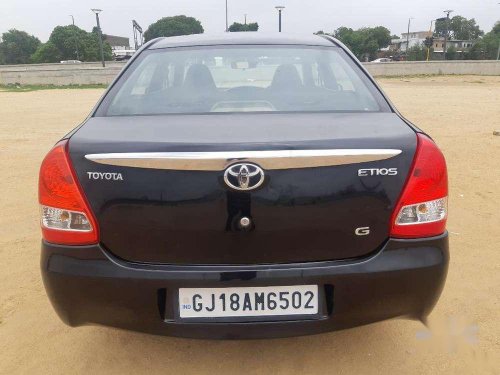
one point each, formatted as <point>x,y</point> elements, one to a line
<point>66,217</point>
<point>423,206</point>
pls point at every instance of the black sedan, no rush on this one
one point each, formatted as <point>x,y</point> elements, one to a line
<point>243,186</point>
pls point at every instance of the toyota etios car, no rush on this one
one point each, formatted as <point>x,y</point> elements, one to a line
<point>243,186</point>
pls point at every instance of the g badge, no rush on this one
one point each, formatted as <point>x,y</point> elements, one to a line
<point>362,231</point>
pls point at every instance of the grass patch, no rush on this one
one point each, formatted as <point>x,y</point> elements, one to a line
<point>432,76</point>
<point>27,88</point>
<point>415,76</point>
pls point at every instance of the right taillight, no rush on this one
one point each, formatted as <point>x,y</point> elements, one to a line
<point>423,206</point>
<point>66,217</point>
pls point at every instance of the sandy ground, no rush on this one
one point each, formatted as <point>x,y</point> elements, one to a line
<point>460,112</point>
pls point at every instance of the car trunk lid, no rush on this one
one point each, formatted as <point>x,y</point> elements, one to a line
<point>156,185</point>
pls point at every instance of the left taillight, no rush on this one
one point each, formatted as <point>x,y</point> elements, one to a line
<point>66,217</point>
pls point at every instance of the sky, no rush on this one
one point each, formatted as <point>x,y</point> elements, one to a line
<point>39,17</point>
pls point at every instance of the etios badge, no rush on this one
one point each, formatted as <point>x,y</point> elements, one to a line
<point>243,176</point>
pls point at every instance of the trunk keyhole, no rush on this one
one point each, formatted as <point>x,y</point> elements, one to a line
<point>239,217</point>
<point>245,224</point>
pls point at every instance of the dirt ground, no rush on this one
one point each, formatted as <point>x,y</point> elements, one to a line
<point>460,112</point>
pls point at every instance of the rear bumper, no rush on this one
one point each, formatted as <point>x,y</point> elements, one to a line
<point>88,286</point>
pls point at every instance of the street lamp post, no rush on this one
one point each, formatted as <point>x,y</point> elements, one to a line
<point>429,48</point>
<point>76,38</point>
<point>101,47</point>
<point>498,51</point>
<point>408,37</point>
<point>445,47</point>
<point>227,24</point>
<point>280,9</point>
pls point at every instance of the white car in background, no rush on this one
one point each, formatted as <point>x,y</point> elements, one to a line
<point>382,60</point>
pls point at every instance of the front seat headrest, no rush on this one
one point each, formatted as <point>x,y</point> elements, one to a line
<point>286,77</point>
<point>198,77</point>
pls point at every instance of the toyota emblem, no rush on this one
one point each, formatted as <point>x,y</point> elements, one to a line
<point>243,176</point>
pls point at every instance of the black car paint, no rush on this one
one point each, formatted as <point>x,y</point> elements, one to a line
<point>87,285</point>
<point>190,217</point>
<point>90,285</point>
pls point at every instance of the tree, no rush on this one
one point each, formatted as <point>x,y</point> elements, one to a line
<point>417,53</point>
<point>65,41</point>
<point>459,28</point>
<point>381,35</point>
<point>496,29</point>
<point>68,39</point>
<point>173,26</point>
<point>451,53</point>
<point>351,39</point>
<point>235,27</point>
<point>440,27</point>
<point>18,46</point>
<point>486,47</point>
<point>46,53</point>
<point>364,42</point>
<point>464,29</point>
<point>91,49</point>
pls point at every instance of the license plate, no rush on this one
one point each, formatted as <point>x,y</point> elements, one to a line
<point>248,302</point>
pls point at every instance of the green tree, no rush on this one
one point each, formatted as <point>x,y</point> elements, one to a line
<point>173,26</point>
<point>235,27</point>
<point>451,53</point>
<point>440,27</point>
<point>46,53</point>
<point>68,39</point>
<point>381,35</point>
<point>93,49</point>
<point>364,42</point>
<point>496,28</point>
<point>464,29</point>
<point>459,28</point>
<point>417,53</point>
<point>18,46</point>
<point>65,41</point>
<point>351,39</point>
<point>487,46</point>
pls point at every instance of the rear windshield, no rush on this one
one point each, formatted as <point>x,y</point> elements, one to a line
<point>242,79</point>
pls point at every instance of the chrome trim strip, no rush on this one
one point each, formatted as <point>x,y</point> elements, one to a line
<point>220,160</point>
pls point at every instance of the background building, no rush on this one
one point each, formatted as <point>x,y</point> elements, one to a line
<point>460,46</point>
<point>120,46</point>
<point>415,38</point>
<point>117,42</point>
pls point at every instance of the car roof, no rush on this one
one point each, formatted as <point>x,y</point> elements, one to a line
<point>242,38</point>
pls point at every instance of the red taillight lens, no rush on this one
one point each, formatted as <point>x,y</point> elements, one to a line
<point>422,208</point>
<point>66,217</point>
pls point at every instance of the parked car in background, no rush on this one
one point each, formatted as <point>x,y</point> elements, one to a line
<point>243,186</point>
<point>123,55</point>
<point>71,62</point>
<point>382,60</point>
